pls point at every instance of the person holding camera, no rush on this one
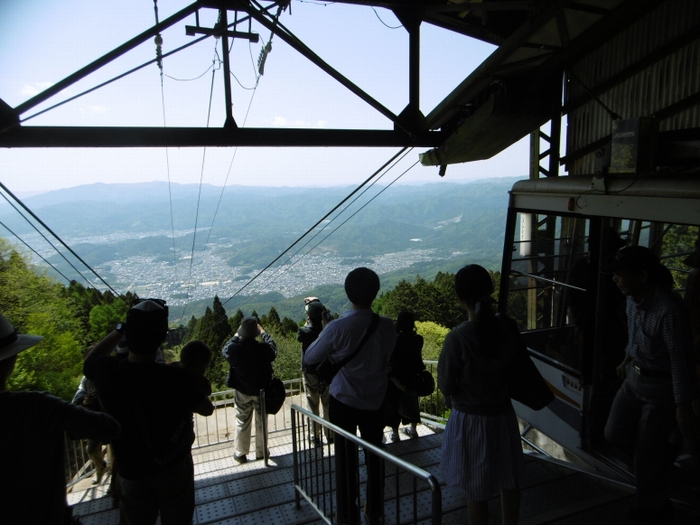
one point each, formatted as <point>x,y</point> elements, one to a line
<point>154,405</point>
<point>317,392</point>
<point>251,371</point>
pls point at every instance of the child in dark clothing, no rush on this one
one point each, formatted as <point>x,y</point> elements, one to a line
<point>195,358</point>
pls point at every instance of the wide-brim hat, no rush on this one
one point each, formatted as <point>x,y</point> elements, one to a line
<point>12,343</point>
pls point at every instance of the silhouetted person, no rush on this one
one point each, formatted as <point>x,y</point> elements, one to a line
<point>357,391</point>
<point>481,451</point>
<point>317,392</point>
<point>195,357</point>
<point>405,364</point>
<point>154,404</point>
<point>251,371</point>
<point>33,486</point>
<point>659,383</point>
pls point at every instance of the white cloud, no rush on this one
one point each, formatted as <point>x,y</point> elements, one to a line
<point>100,110</point>
<point>34,89</point>
<point>280,122</point>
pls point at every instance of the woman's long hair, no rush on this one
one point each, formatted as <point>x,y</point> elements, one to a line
<point>473,284</point>
<point>405,323</point>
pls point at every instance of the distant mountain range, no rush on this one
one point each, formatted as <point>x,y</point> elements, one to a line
<point>250,226</point>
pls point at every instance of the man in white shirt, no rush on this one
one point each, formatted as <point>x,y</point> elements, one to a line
<point>357,391</point>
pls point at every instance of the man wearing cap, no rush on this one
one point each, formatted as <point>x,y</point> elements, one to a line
<point>154,404</point>
<point>659,384</point>
<point>358,390</point>
<point>316,390</point>
<point>33,487</point>
<point>251,370</point>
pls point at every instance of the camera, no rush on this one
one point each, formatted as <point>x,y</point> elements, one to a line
<point>327,315</point>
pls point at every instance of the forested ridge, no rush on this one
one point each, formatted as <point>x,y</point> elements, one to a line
<point>73,317</point>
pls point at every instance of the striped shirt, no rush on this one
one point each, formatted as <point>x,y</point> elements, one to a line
<point>660,340</point>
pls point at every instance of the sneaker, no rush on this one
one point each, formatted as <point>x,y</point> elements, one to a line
<point>240,459</point>
<point>409,432</point>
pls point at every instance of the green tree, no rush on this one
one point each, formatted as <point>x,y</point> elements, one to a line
<point>34,303</point>
<point>235,321</point>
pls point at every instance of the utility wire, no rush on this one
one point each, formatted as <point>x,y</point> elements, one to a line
<point>116,294</point>
<point>266,49</point>
<point>35,252</point>
<point>345,221</point>
<point>283,268</point>
<point>47,240</point>
<point>317,223</point>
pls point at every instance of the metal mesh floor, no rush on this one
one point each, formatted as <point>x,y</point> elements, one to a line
<point>251,494</point>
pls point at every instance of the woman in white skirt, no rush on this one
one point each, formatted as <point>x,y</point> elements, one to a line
<point>481,451</point>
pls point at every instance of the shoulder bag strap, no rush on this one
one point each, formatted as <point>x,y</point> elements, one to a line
<point>370,331</point>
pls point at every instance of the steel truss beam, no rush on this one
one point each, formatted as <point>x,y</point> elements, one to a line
<point>140,137</point>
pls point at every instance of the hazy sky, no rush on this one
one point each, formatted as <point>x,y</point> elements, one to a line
<point>44,41</point>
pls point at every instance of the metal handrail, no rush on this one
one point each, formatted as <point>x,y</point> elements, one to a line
<point>315,484</point>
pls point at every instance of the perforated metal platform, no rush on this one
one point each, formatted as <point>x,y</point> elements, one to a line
<point>251,494</point>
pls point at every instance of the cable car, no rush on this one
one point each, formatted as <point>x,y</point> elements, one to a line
<point>559,234</point>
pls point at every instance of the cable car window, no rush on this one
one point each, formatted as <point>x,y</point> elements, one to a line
<point>555,292</point>
<point>549,262</point>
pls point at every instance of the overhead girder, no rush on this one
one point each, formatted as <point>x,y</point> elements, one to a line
<point>144,137</point>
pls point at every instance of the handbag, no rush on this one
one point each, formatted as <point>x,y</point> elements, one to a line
<point>328,369</point>
<point>424,383</point>
<point>274,396</point>
<point>525,383</point>
<point>408,405</point>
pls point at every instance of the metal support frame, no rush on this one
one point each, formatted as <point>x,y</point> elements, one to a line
<point>229,122</point>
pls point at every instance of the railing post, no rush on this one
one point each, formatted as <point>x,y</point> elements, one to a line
<point>295,458</point>
<point>263,415</point>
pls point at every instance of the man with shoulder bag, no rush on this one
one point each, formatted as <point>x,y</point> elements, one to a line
<point>359,344</point>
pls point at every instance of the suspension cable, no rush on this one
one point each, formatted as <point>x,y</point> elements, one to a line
<point>348,197</point>
<point>341,225</point>
<point>35,252</point>
<point>34,216</point>
<point>261,66</point>
<point>59,252</point>
<point>282,269</point>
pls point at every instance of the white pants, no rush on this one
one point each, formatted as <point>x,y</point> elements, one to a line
<point>245,406</point>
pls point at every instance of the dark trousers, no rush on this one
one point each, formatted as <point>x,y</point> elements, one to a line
<point>371,425</point>
<point>641,421</point>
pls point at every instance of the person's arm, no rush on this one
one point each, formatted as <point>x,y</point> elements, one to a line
<point>621,369</point>
<point>80,393</point>
<point>320,348</point>
<point>87,424</point>
<point>678,340</point>
<point>225,351</point>
<point>449,365</point>
<point>267,339</point>
<point>205,407</point>
<point>106,345</point>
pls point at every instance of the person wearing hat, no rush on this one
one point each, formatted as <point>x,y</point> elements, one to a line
<point>317,392</point>
<point>659,383</point>
<point>251,371</point>
<point>154,404</point>
<point>32,441</point>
